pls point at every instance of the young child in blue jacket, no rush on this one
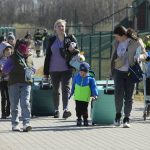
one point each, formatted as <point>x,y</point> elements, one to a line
<point>83,88</point>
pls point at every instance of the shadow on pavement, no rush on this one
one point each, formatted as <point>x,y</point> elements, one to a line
<point>141,120</point>
<point>69,128</point>
<point>5,120</point>
<point>139,109</point>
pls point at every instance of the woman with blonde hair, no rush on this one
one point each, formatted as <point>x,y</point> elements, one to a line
<point>60,50</point>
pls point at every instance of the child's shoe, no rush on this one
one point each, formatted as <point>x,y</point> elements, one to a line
<point>4,117</point>
<point>79,122</point>
<point>86,122</point>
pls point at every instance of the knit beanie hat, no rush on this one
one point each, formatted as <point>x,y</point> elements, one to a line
<point>84,66</point>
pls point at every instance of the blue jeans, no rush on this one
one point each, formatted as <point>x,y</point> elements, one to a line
<point>20,91</point>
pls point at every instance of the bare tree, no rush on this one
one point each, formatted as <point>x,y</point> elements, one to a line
<point>46,12</point>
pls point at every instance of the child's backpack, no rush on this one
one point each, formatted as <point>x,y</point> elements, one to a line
<point>91,73</point>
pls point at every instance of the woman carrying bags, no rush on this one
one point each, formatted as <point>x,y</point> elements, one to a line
<point>60,50</point>
<point>125,54</point>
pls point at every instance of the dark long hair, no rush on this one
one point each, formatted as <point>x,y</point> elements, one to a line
<point>130,33</point>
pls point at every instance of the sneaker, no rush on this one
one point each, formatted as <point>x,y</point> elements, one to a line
<point>27,128</point>
<point>56,114</point>
<point>66,114</point>
<point>117,121</point>
<point>15,128</point>
<point>86,123</point>
<point>79,122</point>
<point>126,123</point>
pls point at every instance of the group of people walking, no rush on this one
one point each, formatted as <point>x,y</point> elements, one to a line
<point>57,67</point>
<point>40,39</point>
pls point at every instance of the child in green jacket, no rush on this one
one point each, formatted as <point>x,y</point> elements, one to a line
<point>83,88</point>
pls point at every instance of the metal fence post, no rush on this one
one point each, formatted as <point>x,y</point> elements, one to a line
<point>81,42</point>
<point>111,39</point>
<point>90,51</point>
<point>100,58</point>
<point>147,9</point>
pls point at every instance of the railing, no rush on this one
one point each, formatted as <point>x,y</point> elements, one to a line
<point>6,30</point>
<point>121,16</point>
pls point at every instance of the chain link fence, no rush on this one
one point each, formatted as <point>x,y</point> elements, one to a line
<point>97,49</point>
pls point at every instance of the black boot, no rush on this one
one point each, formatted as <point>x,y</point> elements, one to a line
<point>86,122</point>
<point>79,122</point>
<point>3,113</point>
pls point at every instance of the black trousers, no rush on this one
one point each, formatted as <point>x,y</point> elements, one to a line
<point>5,104</point>
<point>81,109</point>
<point>61,84</point>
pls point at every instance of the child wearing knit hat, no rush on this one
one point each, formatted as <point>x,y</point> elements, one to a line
<point>83,88</point>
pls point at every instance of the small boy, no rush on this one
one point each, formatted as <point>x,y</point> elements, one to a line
<point>83,88</point>
<point>6,51</point>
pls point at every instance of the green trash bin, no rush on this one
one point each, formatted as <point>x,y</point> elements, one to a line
<point>103,109</point>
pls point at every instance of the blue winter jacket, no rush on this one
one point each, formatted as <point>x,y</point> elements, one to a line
<point>84,88</point>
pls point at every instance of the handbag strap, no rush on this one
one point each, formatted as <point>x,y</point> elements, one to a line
<point>22,60</point>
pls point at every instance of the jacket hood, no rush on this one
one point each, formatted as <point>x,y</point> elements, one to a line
<point>3,46</point>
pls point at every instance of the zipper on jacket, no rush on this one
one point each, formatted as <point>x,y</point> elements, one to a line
<point>81,81</point>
